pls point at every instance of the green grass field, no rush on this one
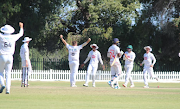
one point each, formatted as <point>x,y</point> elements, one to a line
<point>58,95</point>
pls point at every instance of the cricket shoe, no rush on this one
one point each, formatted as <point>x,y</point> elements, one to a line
<point>131,86</point>
<point>117,87</point>
<point>146,86</point>
<point>73,86</point>
<point>7,92</point>
<point>94,85</point>
<point>110,84</point>
<point>85,85</point>
<point>26,84</point>
<point>157,79</point>
<point>2,88</point>
<point>125,85</point>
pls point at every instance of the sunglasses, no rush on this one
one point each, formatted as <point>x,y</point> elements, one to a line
<point>93,46</point>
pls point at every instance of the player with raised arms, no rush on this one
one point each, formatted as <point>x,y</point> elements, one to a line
<point>73,58</point>
<point>94,56</point>
<point>7,48</point>
<point>114,54</point>
<point>148,65</point>
<point>129,57</point>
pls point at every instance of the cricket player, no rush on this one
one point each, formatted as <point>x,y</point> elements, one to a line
<point>148,65</point>
<point>114,54</point>
<point>129,57</point>
<point>7,48</point>
<point>24,54</point>
<point>94,56</point>
<point>73,58</point>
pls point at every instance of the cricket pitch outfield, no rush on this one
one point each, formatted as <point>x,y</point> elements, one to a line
<point>58,95</point>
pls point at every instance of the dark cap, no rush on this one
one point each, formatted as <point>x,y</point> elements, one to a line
<point>116,40</point>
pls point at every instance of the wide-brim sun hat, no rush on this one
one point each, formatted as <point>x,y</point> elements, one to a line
<point>26,39</point>
<point>7,29</point>
<point>94,45</point>
<point>148,47</point>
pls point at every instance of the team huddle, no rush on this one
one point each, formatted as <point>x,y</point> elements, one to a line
<point>7,48</point>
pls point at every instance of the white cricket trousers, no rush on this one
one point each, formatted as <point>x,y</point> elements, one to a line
<point>116,71</point>
<point>151,74</point>
<point>93,69</point>
<point>29,68</point>
<point>74,65</point>
<point>128,69</point>
<point>6,63</point>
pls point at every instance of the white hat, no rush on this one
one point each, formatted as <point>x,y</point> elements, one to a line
<point>148,47</point>
<point>94,45</point>
<point>7,29</point>
<point>26,39</point>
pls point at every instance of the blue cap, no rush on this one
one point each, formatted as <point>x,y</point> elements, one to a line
<point>115,40</point>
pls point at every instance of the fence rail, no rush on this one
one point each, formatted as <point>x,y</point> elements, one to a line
<point>64,75</point>
<point>63,64</point>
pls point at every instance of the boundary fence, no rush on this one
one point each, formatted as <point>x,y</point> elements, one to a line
<point>64,75</point>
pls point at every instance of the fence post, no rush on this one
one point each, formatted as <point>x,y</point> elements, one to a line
<point>99,74</point>
<point>51,74</point>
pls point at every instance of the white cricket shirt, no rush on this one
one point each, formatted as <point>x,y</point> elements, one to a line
<point>148,58</point>
<point>95,57</point>
<point>131,56</point>
<point>74,52</point>
<point>24,51</point>
<point>114,50</point>
<point>8,41</point>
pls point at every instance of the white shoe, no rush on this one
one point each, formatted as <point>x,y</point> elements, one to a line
<point>124,85</point>
<point>131,86</point>
<point>146,86</point>
<point>110,84</point>
<point>157,79</point>
<point>85,85</point>
<point>73,86</point>
<point>94,85</point>
<point>117,87</point>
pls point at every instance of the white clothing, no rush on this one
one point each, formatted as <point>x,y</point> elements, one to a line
<point>74,52</point>
<point>92,69</point>
<point>24,53</point>
<point>74,65</point>
<point>73,61</point>
<point>151,74</point>
<point>129,66</point>
<point>95,57</point>
<point>6,63</point>
<point>148,58</point>
<point>7,48</point>
<point>130,60</point>
<point>113,51</point>
<point>128,69</point>
<point>7,42</point>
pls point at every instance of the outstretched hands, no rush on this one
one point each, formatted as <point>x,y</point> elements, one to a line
<point>61,36</point>
<point>20,24</point>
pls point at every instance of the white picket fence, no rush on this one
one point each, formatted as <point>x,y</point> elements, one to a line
<point>64,75</point>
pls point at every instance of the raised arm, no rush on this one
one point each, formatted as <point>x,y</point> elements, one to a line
<point>21,32</point>
<point>61,36</point>
<point>85,43</point>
